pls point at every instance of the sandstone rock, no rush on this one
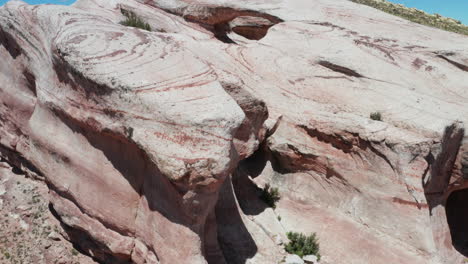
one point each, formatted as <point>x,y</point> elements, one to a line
<point>310,259</point>
<point>153,143</point>
<point>278,240</point>
<point>464,164</point>
<point>23,207</point>
<point>54,236</point>
<point>293,259</point>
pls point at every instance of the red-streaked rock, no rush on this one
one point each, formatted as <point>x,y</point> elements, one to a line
<point>136,132</point>
<point>131,154</point>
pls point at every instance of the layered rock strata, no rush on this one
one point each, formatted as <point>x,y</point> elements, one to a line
<point>154,145</point>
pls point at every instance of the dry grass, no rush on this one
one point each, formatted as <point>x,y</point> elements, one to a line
<point>417,16</point>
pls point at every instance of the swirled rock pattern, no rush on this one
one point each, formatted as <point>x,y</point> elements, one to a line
<point>154,144</point>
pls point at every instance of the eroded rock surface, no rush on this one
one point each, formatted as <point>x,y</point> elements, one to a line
<point>29,231</point>
<point>153,145</point>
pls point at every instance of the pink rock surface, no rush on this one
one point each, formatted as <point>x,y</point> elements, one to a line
<point>153,143</point>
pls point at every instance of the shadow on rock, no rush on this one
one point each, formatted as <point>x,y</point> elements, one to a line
<point>234,239</point>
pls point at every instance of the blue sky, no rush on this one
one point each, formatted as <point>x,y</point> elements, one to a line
<point>457,9</point>
<point>35,2</point>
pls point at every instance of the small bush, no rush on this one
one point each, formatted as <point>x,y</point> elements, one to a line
<point>302,245</point>
<point>132,20</point>
<point>270,196</point>
<point>376,116</point>
<point>74,252</point>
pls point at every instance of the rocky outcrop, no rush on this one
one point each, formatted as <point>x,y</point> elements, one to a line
<point>154,145</point>
<point>29,231</point>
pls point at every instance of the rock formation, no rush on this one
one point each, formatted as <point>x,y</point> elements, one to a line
<point>29,231</point>
<point>154,145</point>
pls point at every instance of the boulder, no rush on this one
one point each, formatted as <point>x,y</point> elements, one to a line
<point>293,259</point>
<point>310,259</point>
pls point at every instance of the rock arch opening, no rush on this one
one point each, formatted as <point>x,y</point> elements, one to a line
<point>457,218</point>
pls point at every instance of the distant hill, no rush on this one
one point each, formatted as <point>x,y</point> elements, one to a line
<point>417,16</point>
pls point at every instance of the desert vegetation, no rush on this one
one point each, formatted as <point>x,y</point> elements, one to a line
<point>377,116</point>
<point>270,196</point>
<point>302,245</point>
<point>417,16</point>
<point>132,20</point>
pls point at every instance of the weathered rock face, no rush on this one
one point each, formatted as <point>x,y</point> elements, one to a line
<point>29,231</point>
<point>153,143</point>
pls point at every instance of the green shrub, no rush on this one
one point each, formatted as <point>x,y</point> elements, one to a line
<point>376,116</point>
<point>417,16</point>
<point>270,196</point>
<point>302,245</point>
<point>132,20</point>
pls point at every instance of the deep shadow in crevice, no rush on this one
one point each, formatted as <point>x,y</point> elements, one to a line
<point>456,209</point>
<point>247,192</point>
<point>235,241</point>
<point>10,44</point>
<point>340,69</point>
<point>256,163</point>
<point>220,32</point>
<point>454,63</point>
<point>30,81</point>
<point>17,171</point>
